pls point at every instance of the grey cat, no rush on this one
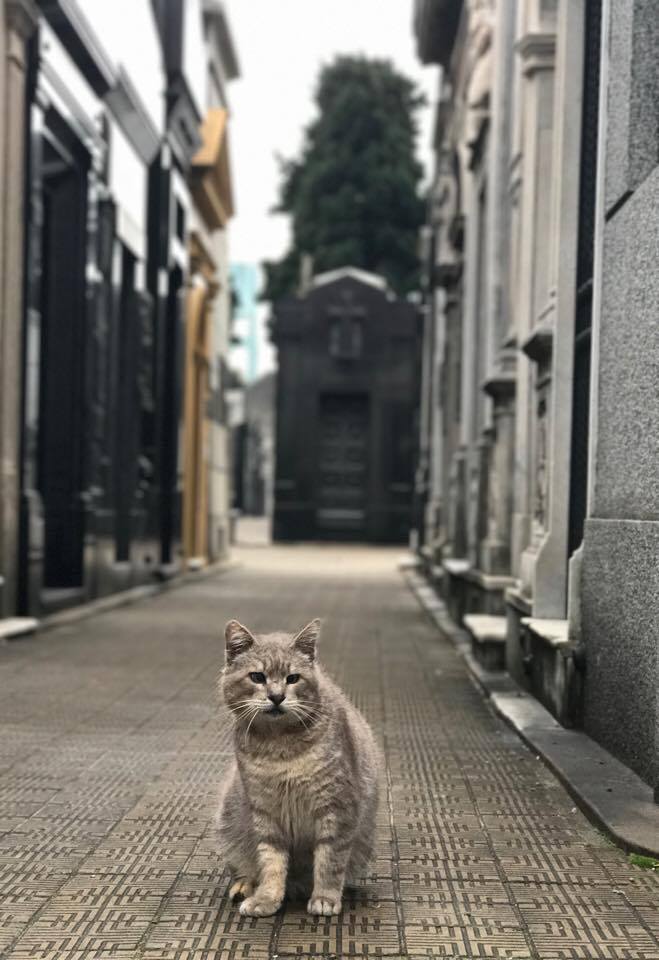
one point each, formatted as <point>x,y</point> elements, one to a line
<point>297,811</point>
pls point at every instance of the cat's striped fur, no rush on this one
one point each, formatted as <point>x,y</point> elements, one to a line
<point>297,812</point>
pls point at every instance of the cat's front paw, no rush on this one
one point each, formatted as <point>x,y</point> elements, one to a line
<point>324,904</point>
<point>260,905</point>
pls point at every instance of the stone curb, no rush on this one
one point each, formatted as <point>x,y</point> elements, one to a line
<point>126,598</point>
<point>611,795</point>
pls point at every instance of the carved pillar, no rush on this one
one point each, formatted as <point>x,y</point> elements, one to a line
<point>495,549</point>
<point>18,23</point>
<point>558,329</point>
<point>501,360</point>
<point>535,46</point>
<point>445,282</point>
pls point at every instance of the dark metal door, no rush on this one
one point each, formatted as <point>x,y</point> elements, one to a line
<point>343,463</point>
<point>62,309</point>
<point>585,257</point>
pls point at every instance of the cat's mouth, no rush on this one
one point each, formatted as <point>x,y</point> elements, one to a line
<point>274,712</point>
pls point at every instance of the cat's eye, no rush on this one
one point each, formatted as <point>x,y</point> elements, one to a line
<point>292,678</point>
<point>257,677</point>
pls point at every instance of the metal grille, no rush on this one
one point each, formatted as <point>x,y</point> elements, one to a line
<point>585,255</point>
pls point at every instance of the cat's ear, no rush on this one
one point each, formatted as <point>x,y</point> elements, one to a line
<point>306,640</point>
<point>237,638</point>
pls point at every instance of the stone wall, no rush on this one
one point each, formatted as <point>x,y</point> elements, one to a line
<point>620,599</point>
<point>544,508</point>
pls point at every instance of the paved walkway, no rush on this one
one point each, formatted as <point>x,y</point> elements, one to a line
<point>112,748</point>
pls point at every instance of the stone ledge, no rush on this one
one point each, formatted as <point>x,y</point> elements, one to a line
<point>552,632</point>
<point>488,639</point>
<point>611,795</point>
<point>456,567</point>
<point>486,628</point>
<point>13,627</point>
<point>490,581</point>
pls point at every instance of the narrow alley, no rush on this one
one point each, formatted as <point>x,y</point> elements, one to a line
<point>112,748</point>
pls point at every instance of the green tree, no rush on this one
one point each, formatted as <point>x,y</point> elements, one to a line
<point>353,193</point>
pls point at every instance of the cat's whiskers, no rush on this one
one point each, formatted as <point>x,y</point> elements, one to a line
<point>313,711</point>
<point>250,710</point>
<point>257,710</point>
<point>243,709</point>
<point>298,715</point>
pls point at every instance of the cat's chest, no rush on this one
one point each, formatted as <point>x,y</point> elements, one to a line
<point>291,791</point>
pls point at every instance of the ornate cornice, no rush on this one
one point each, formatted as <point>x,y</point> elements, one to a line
<point>538,346</point>
<point>501,386</point>
<point>537,51</point>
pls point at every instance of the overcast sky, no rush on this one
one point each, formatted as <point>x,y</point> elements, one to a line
<point>281,45</point>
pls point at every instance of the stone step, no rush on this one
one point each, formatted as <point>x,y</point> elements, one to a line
<point>13,627</point>
<point>488,639</point>
<point>551,669</point>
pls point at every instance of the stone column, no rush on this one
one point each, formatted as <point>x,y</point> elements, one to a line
<point>470,420</point>
<point>500,359</point>
<point>445,275</point>
<point>18,22</point>
<point>423,464</point>
<point>557,327</point>
<point>435,427</point>
<point>535,47</point>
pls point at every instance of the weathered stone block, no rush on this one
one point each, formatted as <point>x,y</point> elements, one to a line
<point>488,639</point>
<point>620,597</point>
<point>627,479</point>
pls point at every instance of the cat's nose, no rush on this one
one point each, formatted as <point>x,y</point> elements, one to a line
<point>277,698</point>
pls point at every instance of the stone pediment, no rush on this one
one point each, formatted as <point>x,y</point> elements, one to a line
<point>353,273</point>
<point>211,173</point>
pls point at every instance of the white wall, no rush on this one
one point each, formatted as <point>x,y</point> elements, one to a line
<point>129,185</point>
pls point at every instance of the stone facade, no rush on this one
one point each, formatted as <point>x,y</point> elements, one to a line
<point>104,241</point>
<point>539,440</point>
<point>18,22</point>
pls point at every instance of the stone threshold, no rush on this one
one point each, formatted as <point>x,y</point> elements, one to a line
<point>488,639</point>
<point>555,633</point>
<point>613,797</point>
<point>11,628</point>
<point>463,569</point>
<point>113,601</point>
<point>486,627</point>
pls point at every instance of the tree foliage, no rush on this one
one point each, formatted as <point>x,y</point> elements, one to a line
<point>353,193</point>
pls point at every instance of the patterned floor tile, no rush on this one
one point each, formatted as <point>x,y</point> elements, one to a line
<point>112,754</point>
